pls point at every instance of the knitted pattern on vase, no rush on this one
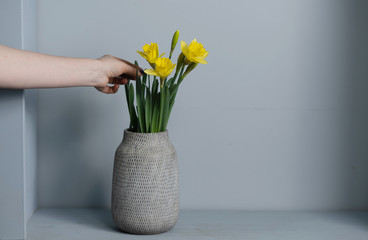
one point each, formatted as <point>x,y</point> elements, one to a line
<point>145,192</point>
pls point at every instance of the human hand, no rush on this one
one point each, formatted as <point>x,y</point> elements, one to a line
<point>116,71</point>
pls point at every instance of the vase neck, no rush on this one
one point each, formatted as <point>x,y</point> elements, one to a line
<point>146,138</point>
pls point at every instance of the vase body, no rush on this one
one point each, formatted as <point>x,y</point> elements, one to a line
<point>145,191</point>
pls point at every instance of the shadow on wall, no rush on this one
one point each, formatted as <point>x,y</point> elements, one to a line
<point>70,163</point>
<point>340,147</point>
<point>359,189</point>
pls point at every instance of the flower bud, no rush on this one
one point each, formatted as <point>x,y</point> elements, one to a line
<point>174,41</point>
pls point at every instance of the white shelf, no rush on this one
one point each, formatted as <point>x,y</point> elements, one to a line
<point>84,223</point>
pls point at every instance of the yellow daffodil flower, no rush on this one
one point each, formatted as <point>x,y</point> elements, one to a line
<point>150,52</point>
<point>195,52</point>
<point>164,67</point>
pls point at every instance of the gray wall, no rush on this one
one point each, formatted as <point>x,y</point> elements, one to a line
<point>11,135</point>
<point>12,217</point>
<point>29,42</point>
<point>267,124</point>
<point>18,122</point>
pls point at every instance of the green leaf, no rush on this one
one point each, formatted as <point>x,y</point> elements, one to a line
<point>140,104</point>
<point>144,83</point>
<point>134,126</point>
<point>148,109</point>
<point>155,86</point>
<point>151,110</point>
<point>127,100</point>
<point>173,95</point>
<point>171,106</point>
<point>170,81</point>
<point>132,113</point>
<point>131,96</point>
<point>154,90</point>
<point>149,81</point>
<point>165,114</point>
<point>180,78</point>
<point>127,92</point>
<point>179,63</point>
<point>173,87</point>
<point>155,115</point>
<point>162,102</point>
<point>139,129</point>
<point>174,90</point>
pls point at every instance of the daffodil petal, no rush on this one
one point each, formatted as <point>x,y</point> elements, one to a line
<point>191,59</point>
<point>151,72</point>
<point>162,54</point>
<point>201,61</point>
<point>142,54</point>
<point>205,55</point>
<point>146,47</point>
<point>172,68</point>
<point>150,52</point>
<point>169,71</point>
<point>163,67</point>
<point>184,47</point>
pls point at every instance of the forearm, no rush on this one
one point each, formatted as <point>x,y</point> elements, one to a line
<point>23,69</point>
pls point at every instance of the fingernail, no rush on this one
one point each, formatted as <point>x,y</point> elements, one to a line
<point>141,71</point>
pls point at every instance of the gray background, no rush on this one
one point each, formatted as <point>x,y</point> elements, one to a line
<point>275,121</point>
<point>18,127</point>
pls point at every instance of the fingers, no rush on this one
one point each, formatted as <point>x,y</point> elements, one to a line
<point>120,81</point>
<point>130,70</point>
<point>113,89</point>
<point>129,63</point>
<point>109,90</point>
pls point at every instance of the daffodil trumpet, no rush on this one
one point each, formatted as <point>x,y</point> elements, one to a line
<point>150,53</point>
<point>195,52</point>
<point>163,68</point>
<point>150,104</point>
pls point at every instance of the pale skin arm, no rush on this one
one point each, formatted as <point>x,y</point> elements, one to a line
<point>21,69</point>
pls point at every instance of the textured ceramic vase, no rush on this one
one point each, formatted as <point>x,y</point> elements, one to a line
<point>145,191</point>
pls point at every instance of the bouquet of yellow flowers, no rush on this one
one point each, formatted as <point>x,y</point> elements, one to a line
<point>154,101</point>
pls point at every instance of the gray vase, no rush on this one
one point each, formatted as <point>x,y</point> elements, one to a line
<point>145,191</point>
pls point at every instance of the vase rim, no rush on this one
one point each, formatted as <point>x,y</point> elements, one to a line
<point>138,133</point>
